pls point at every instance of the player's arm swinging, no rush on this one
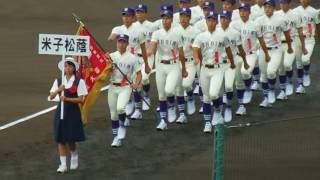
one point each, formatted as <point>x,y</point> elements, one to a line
<point>183,62</point>
<point>137,82</point>
<point>289,41</point>
<point>230,56</point>
<point>243,56</point>
<point>145,58</point>
<point>264,48</point>
<point>301,37</point>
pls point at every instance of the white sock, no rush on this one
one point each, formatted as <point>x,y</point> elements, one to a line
<point>63,160</point>
<point>74,155</point>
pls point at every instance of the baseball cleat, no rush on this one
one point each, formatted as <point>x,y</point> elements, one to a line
<point>172,115</point>
<point>306,80</point>
<point>207,127</point>
<point>241,111</point>
<point>162,125</point>
<point>116,142</point>
<point>265,103</point>
<point>227,114</point>
<point>300,89</point>
<point>282,96</point>
<point>122,132</point>
<point>129,108</point>
<point>62,169</point>
<point>191,107</point>
<point>182,119</point>
<point>196,90</point>
<point>201,110</point>
<point>126,122</point>
<point>217,118</point>
<point>247,96</point>
<point>271,97</point>
<point>137,115</point>
<point>255,86</point>
<point>145,106</point>
<point>289,89</point>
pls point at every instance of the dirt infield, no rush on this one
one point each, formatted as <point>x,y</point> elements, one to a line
<point>282,142</point>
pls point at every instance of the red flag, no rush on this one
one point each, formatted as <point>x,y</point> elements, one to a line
<point>94,71</point>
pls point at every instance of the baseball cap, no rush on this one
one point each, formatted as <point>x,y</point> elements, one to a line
<point>127,11</point>
<point>166,6</point>
<point>166,13</point>
<point>185,11</point>
<point>285,1</point>
<point>212,14</point>
<point>230,1</point>
<point>142,7</point>
<point>270,2</point>
<point>208,5</point>
<point>68,59</point>
<point>185,1</point>
<point>225,13</point>
<point>245,6</point>
<point>123,37</point>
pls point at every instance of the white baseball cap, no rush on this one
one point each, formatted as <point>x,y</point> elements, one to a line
<point>68,59</point>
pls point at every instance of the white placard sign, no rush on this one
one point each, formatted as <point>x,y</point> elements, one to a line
<point>55,44</point>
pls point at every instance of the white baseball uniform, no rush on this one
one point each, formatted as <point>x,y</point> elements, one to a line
<point>194,17</point>
<point>271,29</point>
<point>167,61</point>
<point>188,36</point>
<point>197,13</point>
<point>212,46</point>
<point>120,90</point>
<point>256,11</point>
<point>310,17</point>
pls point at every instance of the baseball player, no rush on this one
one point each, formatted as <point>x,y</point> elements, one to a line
<point>310,25</point>
<point>120,90</point>
<point>212,44</point>
<point>202,27</point>
<point>232,74</point>
<point>270,28</point>
<point>257,10</point>
<point>184,4</point>
<point>164,7</point>
<point>229,5</point>
<point>166,44</point>
<point>148,27</point>
<point>294,21</point>
<point>247,28</point>
<point>188,33</point>
<point>136,45</point>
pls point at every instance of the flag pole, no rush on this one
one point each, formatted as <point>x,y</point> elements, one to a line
<point>78,20</point>
<point>62,82</point>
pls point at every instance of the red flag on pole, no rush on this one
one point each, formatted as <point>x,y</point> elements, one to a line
<point>93,71</point>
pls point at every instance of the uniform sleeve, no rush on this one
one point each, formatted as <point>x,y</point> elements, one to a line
<point>142,36</point>
<point>82,88</point>
<point>284,24</point>
<point>155,37</point>
<point>116,30</point>
<point>54,86</point>
<point>298,21</point>
<point>196,42</point>
<point>180,40</point>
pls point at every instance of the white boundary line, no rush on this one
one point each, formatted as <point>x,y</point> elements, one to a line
<point>21,120</point>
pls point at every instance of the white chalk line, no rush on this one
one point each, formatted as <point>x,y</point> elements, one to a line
<point>24,119</point>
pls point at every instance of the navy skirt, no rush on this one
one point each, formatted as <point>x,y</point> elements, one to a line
<point>70,129</point>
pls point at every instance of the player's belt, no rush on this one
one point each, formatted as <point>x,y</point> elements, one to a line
<point>247,53</point>
<point>168,61</point>
<point>284,41</point>
<point>118,84</point>
<point>213,66</point>
<point>307,36</point>
<point>272,48</point>
<point>140,55</point>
